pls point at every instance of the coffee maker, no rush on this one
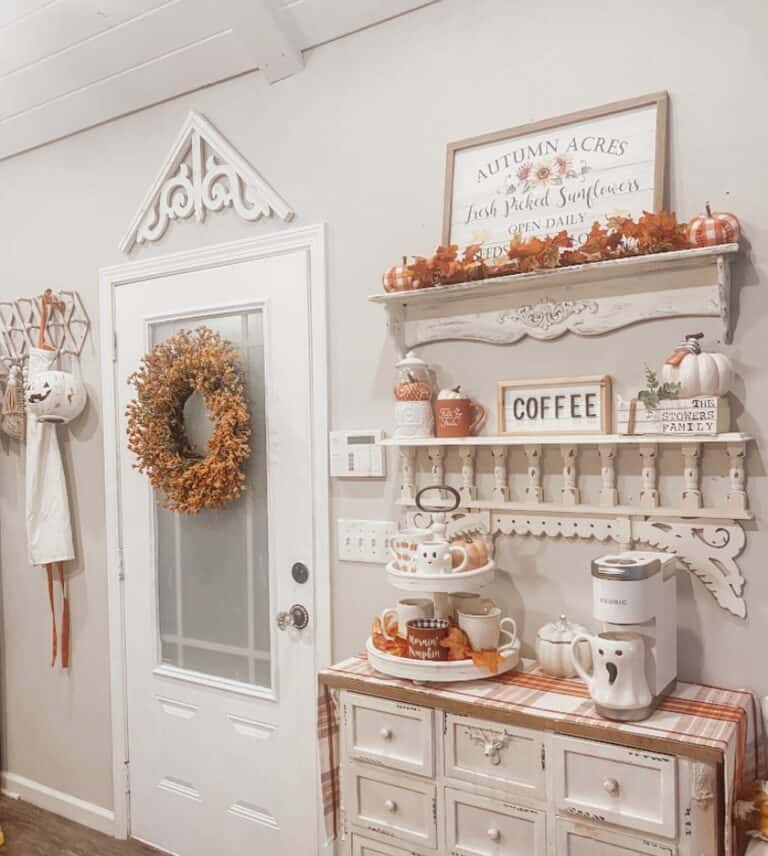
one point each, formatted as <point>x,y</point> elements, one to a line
<point>636,592</point>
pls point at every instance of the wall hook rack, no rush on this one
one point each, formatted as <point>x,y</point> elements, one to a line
<point>67,326</point>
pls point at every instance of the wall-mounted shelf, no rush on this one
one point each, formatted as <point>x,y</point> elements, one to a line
<point>586,300</point>
<point>572,439</point>
<point>706,536</point>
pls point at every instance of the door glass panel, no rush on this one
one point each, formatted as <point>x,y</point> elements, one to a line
<point>213,567</point>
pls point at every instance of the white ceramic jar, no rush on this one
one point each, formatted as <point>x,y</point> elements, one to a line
<point>553,648</point>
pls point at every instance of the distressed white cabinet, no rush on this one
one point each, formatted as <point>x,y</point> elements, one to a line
<point>419,780</point>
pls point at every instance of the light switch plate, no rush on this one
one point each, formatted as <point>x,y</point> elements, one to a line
<point>367,541</point>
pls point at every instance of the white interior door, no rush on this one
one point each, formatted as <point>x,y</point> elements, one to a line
<point>220,702</point>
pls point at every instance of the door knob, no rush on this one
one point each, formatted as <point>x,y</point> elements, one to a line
<point>296,616</point>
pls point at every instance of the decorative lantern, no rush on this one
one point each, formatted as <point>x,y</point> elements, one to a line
<point>710,230</point>
<point>413,394</point>
<point>55,396</point>
<point>696,371</point>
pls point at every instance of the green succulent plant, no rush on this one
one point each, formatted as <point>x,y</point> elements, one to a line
<point>655,391</point>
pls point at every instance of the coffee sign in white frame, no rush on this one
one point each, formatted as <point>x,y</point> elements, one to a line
<point>579,405</point>
<point>558,174</point>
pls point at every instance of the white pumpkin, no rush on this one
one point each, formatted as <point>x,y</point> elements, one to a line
<point>553,648</point>
<point>697,372</point>
<point>55,396</point>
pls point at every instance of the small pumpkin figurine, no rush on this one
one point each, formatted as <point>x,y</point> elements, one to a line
<point>697,372</point>
<point>478,554</point>
<point>398,278</point>
<point>407,277</point>
<point>710,230</point>
<point>553,648</point>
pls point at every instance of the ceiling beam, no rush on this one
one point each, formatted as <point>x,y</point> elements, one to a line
<point>274,51</point>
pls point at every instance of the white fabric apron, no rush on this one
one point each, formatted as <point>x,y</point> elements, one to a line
<point>49,529</point>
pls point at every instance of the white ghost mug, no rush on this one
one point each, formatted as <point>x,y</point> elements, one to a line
<point>436,557</point>
<point>618,683</point>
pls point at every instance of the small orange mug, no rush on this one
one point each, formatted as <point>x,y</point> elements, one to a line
<point>458,417</point>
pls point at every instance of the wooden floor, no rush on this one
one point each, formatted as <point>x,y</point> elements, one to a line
<point>29,831</point>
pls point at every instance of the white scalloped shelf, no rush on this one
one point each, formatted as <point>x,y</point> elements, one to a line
<point>581,509</point>
<point>587,300</point>
<point>568,440</point>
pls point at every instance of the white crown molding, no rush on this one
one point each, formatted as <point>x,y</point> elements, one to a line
<point>202,172</point>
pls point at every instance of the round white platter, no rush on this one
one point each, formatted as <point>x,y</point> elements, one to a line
<point>463,581</point>
<point>443,671</point>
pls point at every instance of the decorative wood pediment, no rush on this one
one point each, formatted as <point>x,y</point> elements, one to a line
<point>202,173</point>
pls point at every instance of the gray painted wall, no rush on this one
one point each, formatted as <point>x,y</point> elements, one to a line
<point>357,140</point>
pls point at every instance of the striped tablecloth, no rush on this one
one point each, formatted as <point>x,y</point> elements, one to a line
<point>728,721</point>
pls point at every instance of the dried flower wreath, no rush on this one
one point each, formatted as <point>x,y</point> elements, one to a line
<point>170,373</point>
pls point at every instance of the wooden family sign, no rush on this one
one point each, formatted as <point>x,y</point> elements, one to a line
<point>705,414</point>
<point>558,174</point>
<point>580,405</point>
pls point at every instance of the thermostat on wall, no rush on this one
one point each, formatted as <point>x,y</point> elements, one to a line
<point>356,454</point>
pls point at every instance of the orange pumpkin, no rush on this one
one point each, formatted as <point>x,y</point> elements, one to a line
<point>406,277</point>
<point>710,230</point>
<point>413,389</point>
<point>477,553</point>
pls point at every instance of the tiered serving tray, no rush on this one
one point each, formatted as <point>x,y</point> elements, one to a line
<point>445,671</point>
<point>440,586</point>
<point>442,583</point>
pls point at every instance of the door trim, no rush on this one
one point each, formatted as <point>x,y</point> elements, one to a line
<point>312,240</point>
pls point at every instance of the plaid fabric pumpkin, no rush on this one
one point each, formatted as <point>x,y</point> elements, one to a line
<point>709,230</point>
<point>402,278</point>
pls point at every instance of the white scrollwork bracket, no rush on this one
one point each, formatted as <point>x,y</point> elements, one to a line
<point>707,549</point>
<point>203,172</point>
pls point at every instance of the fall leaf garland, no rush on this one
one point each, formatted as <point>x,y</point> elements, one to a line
<point>621,237</point>
<point>169,374</point>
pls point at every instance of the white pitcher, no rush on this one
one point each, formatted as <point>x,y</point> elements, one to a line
<point>618,684</point>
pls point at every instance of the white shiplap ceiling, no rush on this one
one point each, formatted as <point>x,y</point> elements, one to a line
<point>66,65</point>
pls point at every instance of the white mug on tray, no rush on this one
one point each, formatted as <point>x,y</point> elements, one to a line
<point>436,557</point>
<point>404,546</point>
<point>407,609</point>
<point>483,629</point>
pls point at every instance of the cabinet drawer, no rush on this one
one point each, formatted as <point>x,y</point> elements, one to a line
<point>581,839</point>
<point>494,755</point>
<point>366,847</point>
<point>391,804</point>
<point>478,826</point>
<point>628,787</point>
<point>385,732</point>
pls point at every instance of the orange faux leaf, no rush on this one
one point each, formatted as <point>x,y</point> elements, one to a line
<point>489,659</point>
<point>471,253</point>
<point>457,644</point>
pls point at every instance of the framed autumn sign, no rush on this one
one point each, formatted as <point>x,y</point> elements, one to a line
<point>560,174</point>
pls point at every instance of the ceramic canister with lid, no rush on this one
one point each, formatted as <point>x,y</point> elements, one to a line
<point>414,417</point>
<point>553,648</point>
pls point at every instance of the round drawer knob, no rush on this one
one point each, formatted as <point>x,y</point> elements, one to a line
<point>494,834</point>
<point>611,786</point>
<point>386,733</point>
<point>390,805</point>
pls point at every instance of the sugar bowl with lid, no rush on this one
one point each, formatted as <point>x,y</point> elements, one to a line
<point>553,648</point>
